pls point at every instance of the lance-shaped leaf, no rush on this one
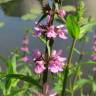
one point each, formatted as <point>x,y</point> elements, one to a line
<point>94,87</point>
<point>89,62</point>
<point>73,26</point>
<point>28,79</point>
<point>43,39</point>
<point>86,28</point>
<point>11,70</point>
<point>80,83</point>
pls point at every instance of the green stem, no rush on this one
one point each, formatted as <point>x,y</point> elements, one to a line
<point>67,67</point>
<point>79,60</point>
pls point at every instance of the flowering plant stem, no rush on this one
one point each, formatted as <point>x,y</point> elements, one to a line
<point>67,68</point>
<point>48,49</point>
<point>47,57</point>
<point>45,74</point>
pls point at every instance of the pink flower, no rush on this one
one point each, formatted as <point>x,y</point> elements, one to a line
<point>48,18</point>
<point>51,32</point>
<point>38,31</point>
<point>25,49</point>
<point>39,62</point>
<point>57,62</point>
<point>25,59</point>
<point>61,12</point>
<point>39,68</point>
<point>25,43</point>
<point>93,57</point>
<point>94,48</point>
<point>61,31</point>
<point>37,54</point>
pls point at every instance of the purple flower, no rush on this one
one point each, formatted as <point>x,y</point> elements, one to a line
<point>25,58</point>
<point>57,62</point>
<point>61,31</point>
<point>25,43</point>
<point>48,18</point>
<point>37,54</point>
<point>61,12</point>
<point>39,67</point>
<point>24,49</point>
<point>51,32</point>
<point>38,31</point>
<point>39,62</point>
<point>93,57</point>
<point>94,48</point>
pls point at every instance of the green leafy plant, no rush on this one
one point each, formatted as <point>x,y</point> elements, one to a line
<point>29,74</point>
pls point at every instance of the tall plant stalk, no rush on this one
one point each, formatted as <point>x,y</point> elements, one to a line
<point>47,50</point>
<point>47,57</point>
<point>45,74</point>
<point>67,68</point>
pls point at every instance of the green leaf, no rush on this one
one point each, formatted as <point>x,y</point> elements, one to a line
<point>89,62</point>
<point>77,51</point>
<point>24,78</point>
<point>2,85</point>
<point>11,70</point>
<point>43,39</point>
<point>15,93</point>
<point>86,28</point>
<point>73,26</point>
<point>12,64</point>
<point>80,83</point>
<point>2,75</point>
<point>94,87</point>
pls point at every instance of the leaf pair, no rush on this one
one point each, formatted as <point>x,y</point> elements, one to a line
<point>75,30</point>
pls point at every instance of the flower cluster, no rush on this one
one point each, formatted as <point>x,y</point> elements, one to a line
<point>25,48</point>
<point>94,49</point>
<point>55,64</point>
<point>61,13</point>
<point>51,32</point>
<point>39,62</point>
<point>25,43</point>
